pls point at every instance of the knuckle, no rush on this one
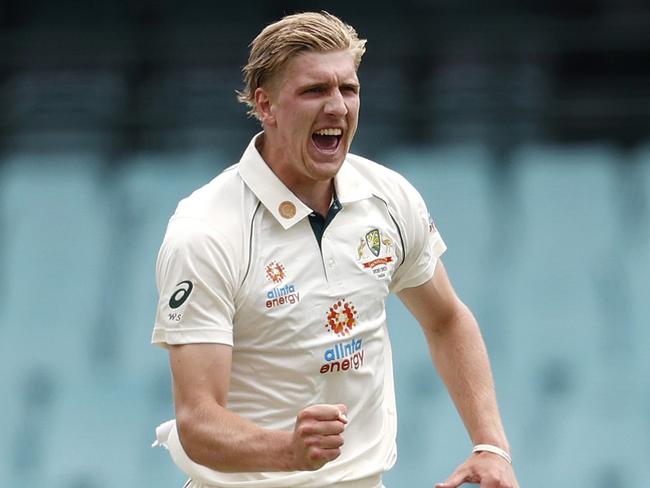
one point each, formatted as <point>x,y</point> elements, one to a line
<point>314,455</point>
<point>304,430</point>
<point>309,442</point>
<point>333,454</point>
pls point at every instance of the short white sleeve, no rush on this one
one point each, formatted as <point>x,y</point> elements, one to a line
<point>423,244</point>
<point>195,275</point>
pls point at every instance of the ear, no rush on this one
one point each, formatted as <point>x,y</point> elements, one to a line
<point>264,107</point>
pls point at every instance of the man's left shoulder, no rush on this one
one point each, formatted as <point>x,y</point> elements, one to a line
<point>384,181</point>
<point>367,166</point>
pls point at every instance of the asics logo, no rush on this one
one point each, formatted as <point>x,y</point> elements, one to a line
<point>180,295</point>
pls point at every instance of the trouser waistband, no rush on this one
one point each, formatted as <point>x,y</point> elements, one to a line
<point>370,482</point>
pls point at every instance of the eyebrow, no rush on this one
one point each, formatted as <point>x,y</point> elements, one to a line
<point>351,84</point>
<point>345,84</point>
<point>309,86</point>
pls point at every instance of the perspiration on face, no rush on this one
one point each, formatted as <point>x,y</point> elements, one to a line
<point>294,34</point>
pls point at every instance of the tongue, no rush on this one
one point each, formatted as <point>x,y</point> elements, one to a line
<point>325,142</point>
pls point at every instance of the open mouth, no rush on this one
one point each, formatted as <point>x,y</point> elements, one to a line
<point>327,140</point>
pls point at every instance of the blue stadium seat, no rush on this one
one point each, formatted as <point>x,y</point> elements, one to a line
<point>102,437</point>
<point>560,297</point>
<point>638,265</point>
<point>53,251</point>
<point>55,247</point>
<point>146,192</point>
<point>566,234</point>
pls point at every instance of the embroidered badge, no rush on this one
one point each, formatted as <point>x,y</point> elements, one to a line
<point>381,252</point>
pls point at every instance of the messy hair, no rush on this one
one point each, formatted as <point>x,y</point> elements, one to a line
<point>291,35</point>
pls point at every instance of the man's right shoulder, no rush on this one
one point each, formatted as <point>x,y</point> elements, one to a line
<point>221,205</point>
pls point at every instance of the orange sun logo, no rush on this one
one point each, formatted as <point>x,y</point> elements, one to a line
<point>275,272</point>
<point>341,318</point>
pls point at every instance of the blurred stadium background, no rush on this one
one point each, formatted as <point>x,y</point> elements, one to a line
<point>525,124</point>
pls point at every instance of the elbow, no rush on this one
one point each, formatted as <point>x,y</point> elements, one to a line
<point>455,316</point>
<point>190,434</point>
<point>188,429</point>
<point>198,441</point>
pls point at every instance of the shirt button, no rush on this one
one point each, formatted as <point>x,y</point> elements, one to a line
<point>331,262</point>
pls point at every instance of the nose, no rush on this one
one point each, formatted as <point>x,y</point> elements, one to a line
<point>335,104</point>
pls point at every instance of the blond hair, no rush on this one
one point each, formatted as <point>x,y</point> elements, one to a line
<point>280,41</point>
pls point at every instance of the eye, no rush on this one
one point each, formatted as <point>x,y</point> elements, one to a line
<point>315,89</point>
<point>353,89</point>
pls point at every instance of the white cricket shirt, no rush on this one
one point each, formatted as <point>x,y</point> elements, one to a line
<point>240,265</point>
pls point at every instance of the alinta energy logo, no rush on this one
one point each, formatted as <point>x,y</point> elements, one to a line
<point>341,318</point>
<point>345,355</point>
<point>279,295</point>
<point>275,272</point>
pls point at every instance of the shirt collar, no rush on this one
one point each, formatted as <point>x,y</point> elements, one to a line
<point>350,185</point>
<point>286,207</point>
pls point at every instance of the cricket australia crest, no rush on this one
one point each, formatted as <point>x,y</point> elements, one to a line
<point>375,252</point>
<point>373,241</point>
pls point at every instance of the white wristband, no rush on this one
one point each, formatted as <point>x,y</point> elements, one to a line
<point>494,450</point>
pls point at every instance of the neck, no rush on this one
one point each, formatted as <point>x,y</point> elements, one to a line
<point>316,194</point>
<point>318,198</point>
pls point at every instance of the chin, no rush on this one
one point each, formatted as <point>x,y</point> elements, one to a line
<point>326,170</point>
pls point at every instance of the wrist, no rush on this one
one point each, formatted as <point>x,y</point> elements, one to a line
<point>491,448</point>
<point>286,455</point>
<point>492,437</point>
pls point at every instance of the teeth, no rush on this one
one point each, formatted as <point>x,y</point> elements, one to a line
<point>329,132</point>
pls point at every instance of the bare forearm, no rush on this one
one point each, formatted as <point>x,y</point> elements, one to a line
<point>461,358</point>
<point>221,440</point>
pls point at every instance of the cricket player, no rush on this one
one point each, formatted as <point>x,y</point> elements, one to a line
<point>273,280</point>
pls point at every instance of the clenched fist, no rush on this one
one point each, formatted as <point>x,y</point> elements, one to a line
<point>318,435</point>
